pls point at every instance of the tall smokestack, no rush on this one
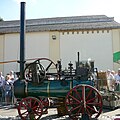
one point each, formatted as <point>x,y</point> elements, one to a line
<point>22,39</point>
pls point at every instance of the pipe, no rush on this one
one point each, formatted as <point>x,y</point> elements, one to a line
<point>78,58</point>
<point>22,39</point>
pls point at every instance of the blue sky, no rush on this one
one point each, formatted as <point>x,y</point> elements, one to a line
<point>10,9</point>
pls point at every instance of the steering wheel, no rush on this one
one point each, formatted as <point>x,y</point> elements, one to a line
<point>40,69</point>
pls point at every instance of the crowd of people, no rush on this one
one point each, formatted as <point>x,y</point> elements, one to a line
<point>6,87</point>
<point>113,79</point>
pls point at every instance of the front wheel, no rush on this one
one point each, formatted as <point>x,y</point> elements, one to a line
<point>30,108</point>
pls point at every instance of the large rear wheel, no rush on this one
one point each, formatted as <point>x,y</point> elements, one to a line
<point>83,101</point>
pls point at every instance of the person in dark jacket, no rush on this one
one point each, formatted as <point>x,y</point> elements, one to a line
<point>2,87</point>
<point>8,89</point>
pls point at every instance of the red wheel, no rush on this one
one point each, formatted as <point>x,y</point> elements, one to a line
<point>30,108</point>
<point>83,100</point>
<point>45,103</point>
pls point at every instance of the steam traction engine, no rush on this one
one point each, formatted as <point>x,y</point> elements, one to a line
<point>74,88</point>
<point>44,79</point>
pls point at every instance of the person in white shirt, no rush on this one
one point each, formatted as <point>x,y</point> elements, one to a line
<point>12,75</point>
<point>2,87</point>
<point>117,80</point>
<point>110,80</point>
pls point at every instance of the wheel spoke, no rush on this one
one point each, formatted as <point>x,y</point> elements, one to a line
<point>34,107</point>
<point>71,103</point>
<point>30,103</point>
<point>83,93</point>
<point>81,108</point>
<point>88,112</point>
<point>74,98</point>
<point>24,112</point>
<point>91,108</point>
<point>90,92</point>
<point>34,103</point>
<point>92,99</point>
<point>78,94</point>
<point>48,66</point>
<point>94,104</point>
<point>74,108</point>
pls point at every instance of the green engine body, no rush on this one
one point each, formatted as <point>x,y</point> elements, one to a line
<point>48,88</point>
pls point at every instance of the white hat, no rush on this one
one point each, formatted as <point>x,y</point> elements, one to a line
<point>113,71</point>
<point>108,70</point>
<point>11,72</point>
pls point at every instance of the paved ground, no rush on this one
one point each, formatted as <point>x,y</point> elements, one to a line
<point>10,113</point>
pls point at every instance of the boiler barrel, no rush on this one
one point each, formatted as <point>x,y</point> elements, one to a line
<point>55,88</point>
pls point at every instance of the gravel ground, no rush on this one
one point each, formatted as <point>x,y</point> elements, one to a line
<point>10,113</point>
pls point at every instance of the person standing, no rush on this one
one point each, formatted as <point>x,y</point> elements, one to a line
<point>8,89</point>
<point>12,75</point>
<point>2,87</point>
<point>117,80</point>
<point>110,80</point>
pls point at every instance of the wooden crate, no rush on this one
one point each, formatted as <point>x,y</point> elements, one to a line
<point>102,81</point>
